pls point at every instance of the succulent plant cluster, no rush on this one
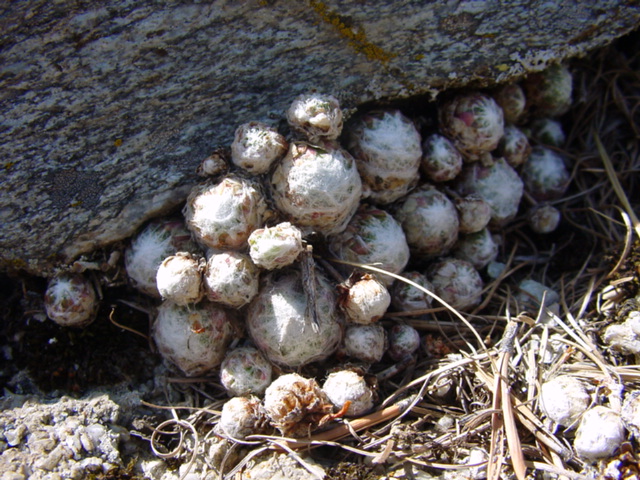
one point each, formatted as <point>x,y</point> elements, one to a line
<point>238,268</point>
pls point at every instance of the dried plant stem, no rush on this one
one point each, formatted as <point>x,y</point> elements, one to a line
<point>356,425</point>
<point>613,178</point>
<point>422,289</point>
<point>502,420</point>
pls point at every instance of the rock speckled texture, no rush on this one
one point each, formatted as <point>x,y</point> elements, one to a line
<point>69,438</point>
<point>107,108</point>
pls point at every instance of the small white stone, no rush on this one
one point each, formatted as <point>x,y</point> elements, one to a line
<point>624,337</point>
<point>530,297</point>
<point>477,458</point>
<point>631,412</point>
<point>563,399</point>
<point>14,436</point>
<point>600,433</point>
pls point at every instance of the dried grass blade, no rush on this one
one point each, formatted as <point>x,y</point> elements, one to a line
<point>424,290</point>
<point>496,448</point>
<point>529,420</point>
<point>611,173</point>
<point>357,425</point>
<point>628,240</point>
<point>511,431</point>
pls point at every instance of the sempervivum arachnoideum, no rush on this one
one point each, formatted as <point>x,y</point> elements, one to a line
<point>149,248</point>
<point>406,297</point>
<point>193,338</point>
<point>474,213</point>
<point>549,92</point>
<point>441,161</point>
<point>386,145</point>
<point>317,188</point>
<point>222,215</point>
<point>315,116</point>
<point>244,370</point>
<point>543,218</point>
<point>275,247</point>
<point>231,278</point>
<point>215,164</point>
<point>366,343</point>
<point>429,220</point>
<point>512,100</point>
<point>348,386</point>
<point>545,175</point>
<point>456,282</point>
<point>364,299</point>
<point>179,278</point>
<point>70,300</point>
<point>256,146</point>
<point>374,237</point>
<point>514,146</point>
<point>404,340</point>
<point>499,185</point>
<point>473,122</point>
<point>479,248</point>
<point>547,131</point>
<point>283,326</point>
<point>296,405</point>
<point>243,416</point>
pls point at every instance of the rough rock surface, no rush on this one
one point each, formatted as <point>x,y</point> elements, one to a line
<point>69,438</point>
<point>106,108</point>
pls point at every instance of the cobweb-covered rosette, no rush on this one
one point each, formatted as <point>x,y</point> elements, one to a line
<point>280,325</point>
<point>317,188</point>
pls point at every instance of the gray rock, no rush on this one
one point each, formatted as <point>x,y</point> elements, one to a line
<point>61,437</point>
<point>106,109</point>
<point>279,466</point>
